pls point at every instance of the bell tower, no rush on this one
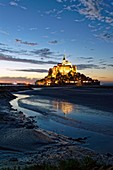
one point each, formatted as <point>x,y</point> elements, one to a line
<point>64,60</point>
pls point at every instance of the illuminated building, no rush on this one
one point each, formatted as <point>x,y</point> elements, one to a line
<point>64,68</point>
<point>65,74</point>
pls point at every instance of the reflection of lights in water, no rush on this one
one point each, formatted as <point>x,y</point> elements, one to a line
<point>65,107</point>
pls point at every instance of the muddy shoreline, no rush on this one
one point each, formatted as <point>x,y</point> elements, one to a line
<point>22,143</point>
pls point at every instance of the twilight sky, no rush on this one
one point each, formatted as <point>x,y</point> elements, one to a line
<point>35,34</point>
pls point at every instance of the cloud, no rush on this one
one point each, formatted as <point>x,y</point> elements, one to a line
<point>89,66</point>
<point>99,12</point>
<point>110,65</point>
<point>12,51</point>
<point>17,79</point>
<point>109,20</point>
<point>51,11</point>
<point>102,77</point>
<point>53,32</point>
<point>44,52</point>
<point>45,36</point>
<point>13,59</point>
<point>89,61</point>
<point>33,28</point>
<point>91,26</point>
<point>86,58</point>
<point>107,36</point>
<point>108,27</point>
<point>91,9</point>
<point>59,1</point>
<point>7,50</point>
<point>79,20</point>
<point>15,4</point>
<point>4,32</point>
<point>32,70</point>
<point>23,7</point>
<point>2,44</point>
<point>53,42</point>
<point>25,42</point>
<point>61,30</point>
<point>102,62</point>
<point>47,53</point>
<point>47,28</point>
<point>73,40</point>
<point>66,1</point>
<point>58,17</point>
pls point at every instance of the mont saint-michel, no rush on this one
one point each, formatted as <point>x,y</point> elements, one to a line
<point>65,74</point>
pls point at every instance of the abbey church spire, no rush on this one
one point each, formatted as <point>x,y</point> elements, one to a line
<point>65,62</point>
<point>64,57</point>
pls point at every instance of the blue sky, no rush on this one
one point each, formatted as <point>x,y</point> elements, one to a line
<point>35,34</point>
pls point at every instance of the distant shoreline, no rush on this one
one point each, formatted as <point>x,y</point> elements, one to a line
<point>14,88</point>
<point>108,86</point>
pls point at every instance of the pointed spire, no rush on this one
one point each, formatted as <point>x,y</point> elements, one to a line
<point>64,57</point>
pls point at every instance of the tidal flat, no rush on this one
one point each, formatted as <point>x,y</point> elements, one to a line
<point>39,131</point>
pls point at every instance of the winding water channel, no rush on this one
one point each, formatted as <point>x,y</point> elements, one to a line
<point>69,119</point>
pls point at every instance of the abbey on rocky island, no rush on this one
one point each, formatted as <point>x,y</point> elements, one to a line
<point>63,68</point>
<point>65,74</point>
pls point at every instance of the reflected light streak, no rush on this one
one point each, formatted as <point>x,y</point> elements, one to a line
<point>65,107</point>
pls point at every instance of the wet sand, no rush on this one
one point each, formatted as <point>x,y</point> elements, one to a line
<point>96,98</point>
<point>22,143</point>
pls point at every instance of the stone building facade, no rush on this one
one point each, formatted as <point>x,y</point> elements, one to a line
<point>64,68</point>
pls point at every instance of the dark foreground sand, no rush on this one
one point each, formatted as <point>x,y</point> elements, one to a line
<point>22,143</point>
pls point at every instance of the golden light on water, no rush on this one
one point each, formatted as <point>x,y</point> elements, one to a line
<point>65,107</point>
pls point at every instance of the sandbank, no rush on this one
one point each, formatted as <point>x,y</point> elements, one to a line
<point>22,143</point>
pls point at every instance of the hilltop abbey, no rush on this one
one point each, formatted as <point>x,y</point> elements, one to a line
<point>65,73</point>
<point>63,68</point>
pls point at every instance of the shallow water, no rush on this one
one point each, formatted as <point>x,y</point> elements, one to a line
<point>70,119</point>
